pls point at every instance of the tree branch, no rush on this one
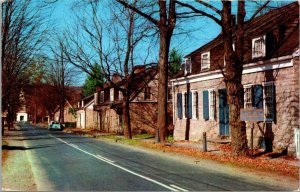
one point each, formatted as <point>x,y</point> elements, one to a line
<point>146,16</point>
<point>218,21</point>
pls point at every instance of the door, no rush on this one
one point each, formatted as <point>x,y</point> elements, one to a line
<point>223,113</point>
<point>21,118</point>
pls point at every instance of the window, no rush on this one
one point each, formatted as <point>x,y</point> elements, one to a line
<point>101,97</point>
<point>205,61</point>
<point>147,93</point>
<point>209,104</point>
<point>261,97</point>
<point>259,47</point>
<point>212,104</point>
<point>269,101</point>
<point>187,66</point>
<point>248,96</point>
<point>120,96</point>
<point>111,94</point>
<point>195,105</point>
<point>179,105</point>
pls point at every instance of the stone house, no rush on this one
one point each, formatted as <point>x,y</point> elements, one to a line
<point>270,79</point>
<point>86,116</point>
<point>143,103</point>
<point>69,113</point>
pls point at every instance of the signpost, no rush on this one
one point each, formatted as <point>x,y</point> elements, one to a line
<point>252,115</point>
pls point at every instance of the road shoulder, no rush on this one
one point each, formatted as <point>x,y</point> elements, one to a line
<point>16,170</point>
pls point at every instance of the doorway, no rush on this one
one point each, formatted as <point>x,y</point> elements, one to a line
<point>223,113</point>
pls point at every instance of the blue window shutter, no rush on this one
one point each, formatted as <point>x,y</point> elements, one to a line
<point>190,106</point>
<point>179,105</point>
<point>205,105</point>
<point>258,96</point>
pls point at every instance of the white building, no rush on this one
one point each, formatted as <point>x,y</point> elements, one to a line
<point>22,115</point>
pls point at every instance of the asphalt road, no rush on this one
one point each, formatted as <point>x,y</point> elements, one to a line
<point>62,161</point>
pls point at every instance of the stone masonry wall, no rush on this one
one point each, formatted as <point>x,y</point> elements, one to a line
<point>281,131</point>
<point>144,117</point>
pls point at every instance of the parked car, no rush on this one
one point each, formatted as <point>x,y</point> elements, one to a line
<point>55,125</point>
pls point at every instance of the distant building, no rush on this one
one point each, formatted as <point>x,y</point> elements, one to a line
<point>86,116</point>
<point>22,115</point>
<point>143,103</point>
<point>69,113</point>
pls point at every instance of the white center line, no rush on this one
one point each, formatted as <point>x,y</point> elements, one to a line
<point>120,167</point>
<point>105,159</point>
<point>175,186</point>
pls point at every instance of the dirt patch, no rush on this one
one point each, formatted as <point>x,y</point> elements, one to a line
<point>4,156</point>
<point>4,152</point>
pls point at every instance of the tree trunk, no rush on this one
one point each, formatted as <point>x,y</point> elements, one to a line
<point>233,77</point>
<point>162,123</point>
<point>237,127</point>
<point>126,114</point>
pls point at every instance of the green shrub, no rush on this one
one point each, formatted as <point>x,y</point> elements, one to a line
<point>70,124</point>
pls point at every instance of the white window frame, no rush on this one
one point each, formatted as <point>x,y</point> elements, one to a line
<point>187,61</point>
<point>262,53</point>
<point>101,96</point>
<point>265,84</point>
<point>120,96</point>
<point>194,107</point>
<point>111,94</point>
<point>212,104</point>
<point>248,86</point>
<point>207,66</point>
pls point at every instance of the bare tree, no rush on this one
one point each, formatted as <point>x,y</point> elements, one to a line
<point>126,29</point>
<point>22,37</point>
<point>234,60</point>
<point>61,75</point>
<point>165,24</point>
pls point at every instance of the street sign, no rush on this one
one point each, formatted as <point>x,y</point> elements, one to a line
<point>252,114</point>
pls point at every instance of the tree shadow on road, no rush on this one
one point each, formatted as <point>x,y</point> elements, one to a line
<point>8,147</point>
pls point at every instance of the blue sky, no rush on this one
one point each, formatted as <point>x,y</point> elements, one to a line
<point>200,31</point>
<point>62,18</point>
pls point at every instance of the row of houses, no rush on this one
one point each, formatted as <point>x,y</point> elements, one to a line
<point>197,95</point>
<point>104,109</point>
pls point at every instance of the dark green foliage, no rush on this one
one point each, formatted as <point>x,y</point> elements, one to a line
<point>91,82</point>
<point>70,124</point>
<point>175,60</point>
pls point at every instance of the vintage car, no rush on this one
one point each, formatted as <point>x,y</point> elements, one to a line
<point>55,125</point>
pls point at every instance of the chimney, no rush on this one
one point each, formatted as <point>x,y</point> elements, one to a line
<point>139,69</point>
<point>106,85</point>
<point>98,88</point>
<point>116,78</point>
